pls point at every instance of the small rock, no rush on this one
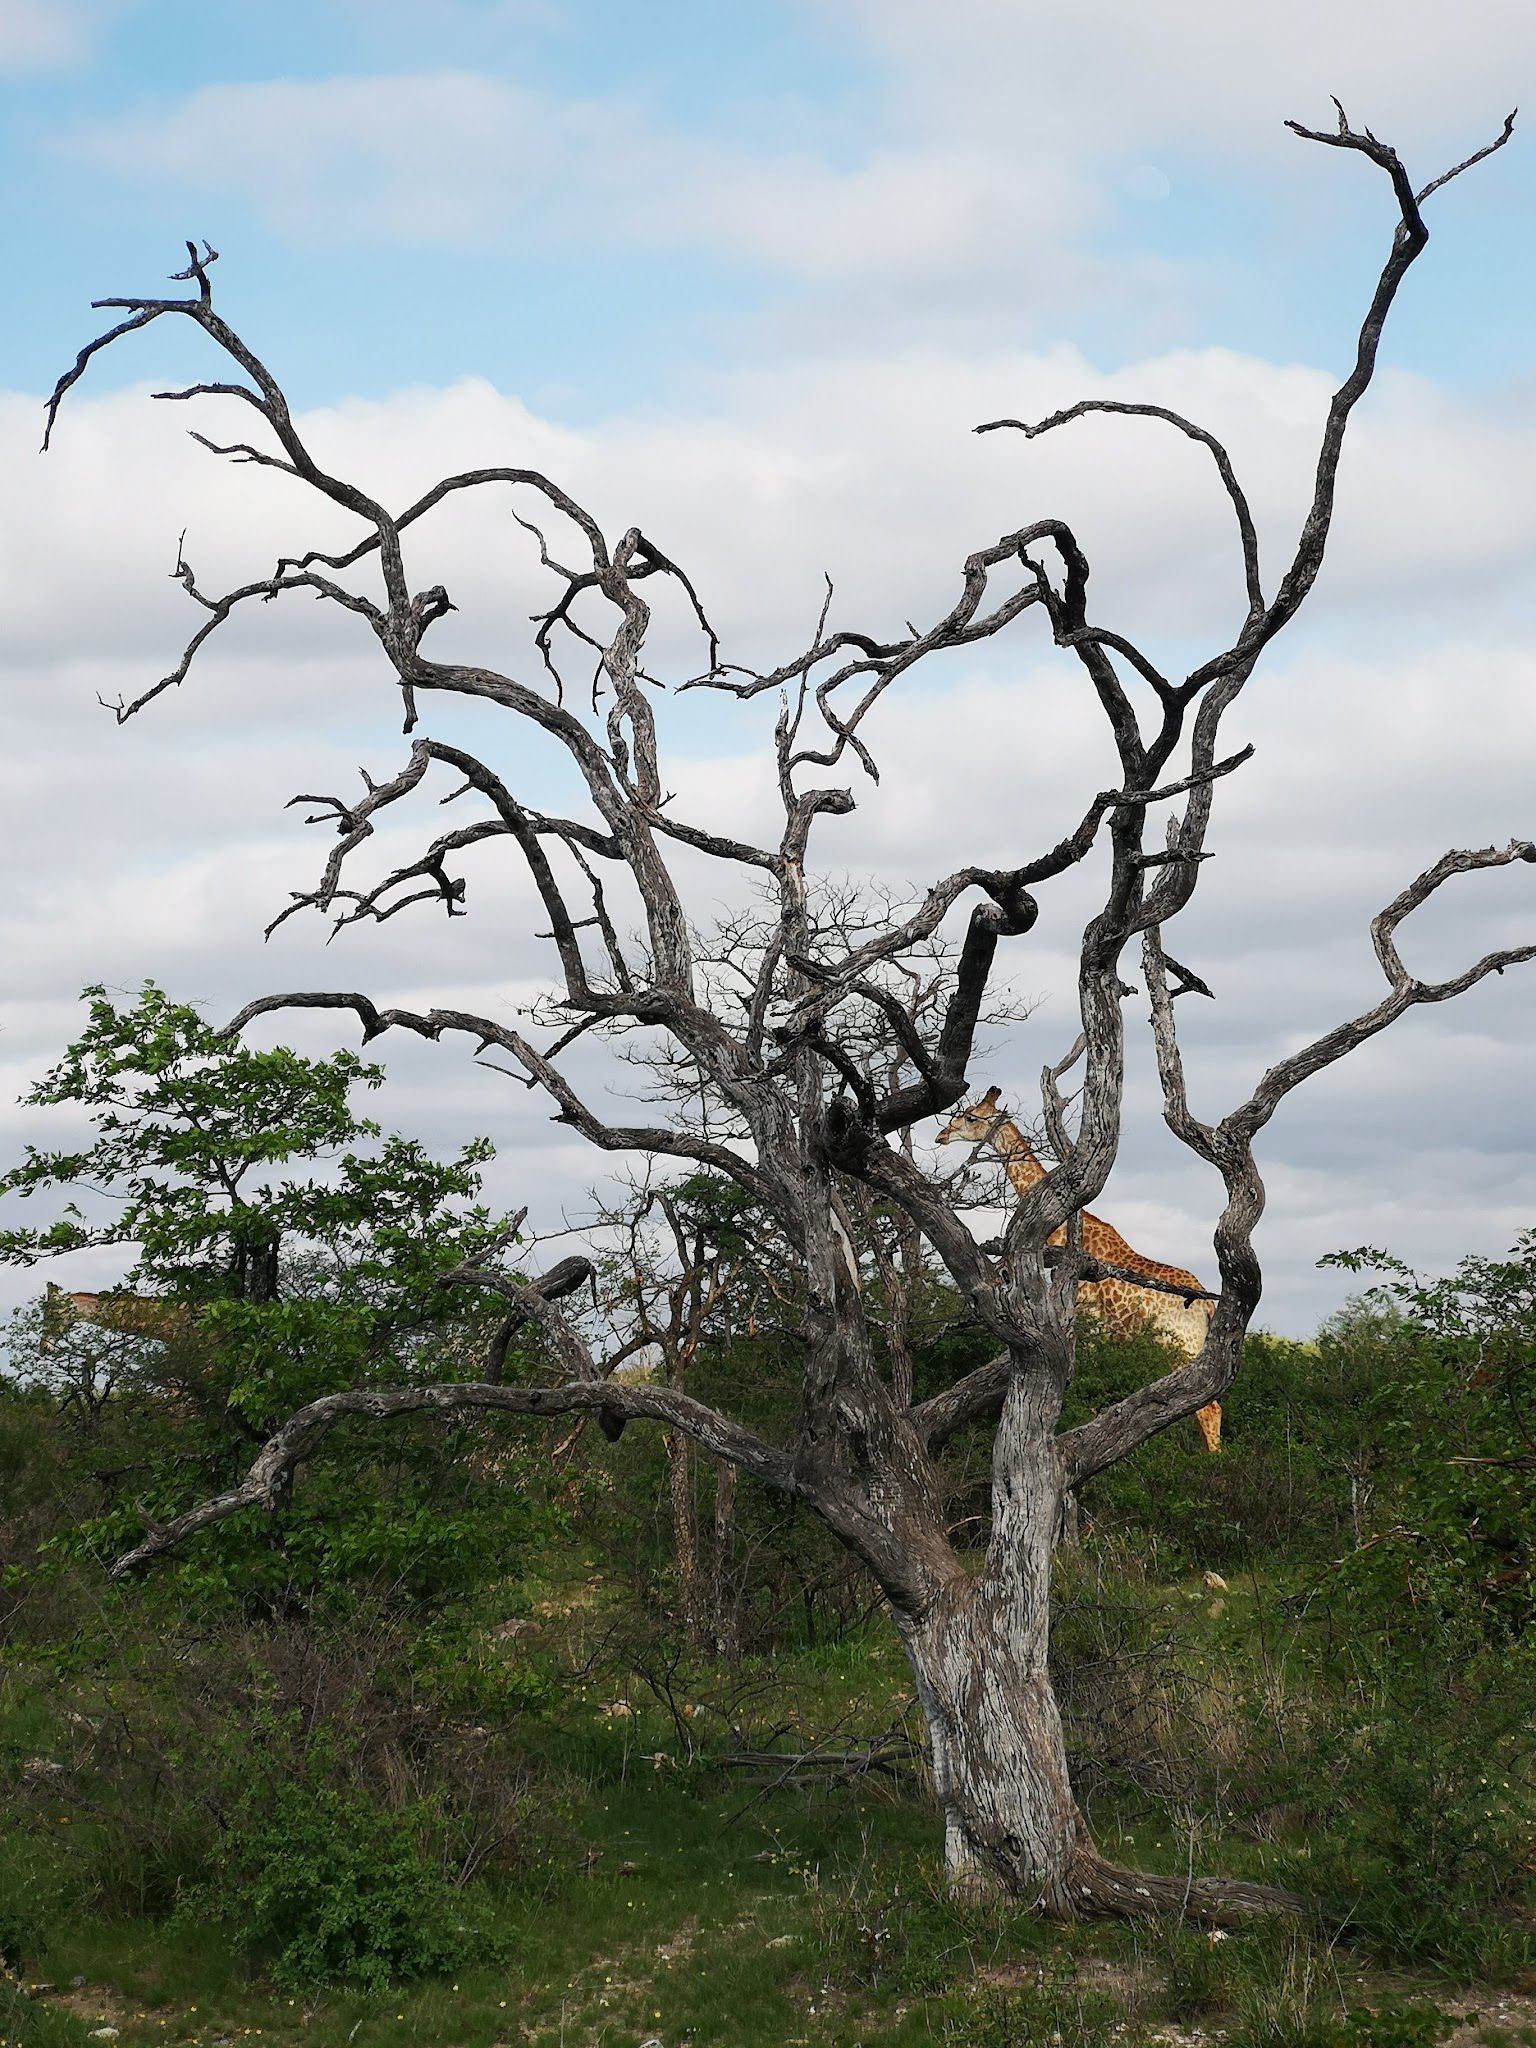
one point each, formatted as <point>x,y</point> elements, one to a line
<point>77,1983</point>
<point>628,1869</point>
<point>1215,1583</point>
<point>1216,1609</point>
<point>103,2033</point>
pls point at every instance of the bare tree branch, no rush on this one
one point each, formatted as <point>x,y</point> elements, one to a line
<point>1247,533</point>
<point>301,1435</point>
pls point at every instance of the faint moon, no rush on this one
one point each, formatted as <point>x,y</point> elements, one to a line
<point>1147,182</point>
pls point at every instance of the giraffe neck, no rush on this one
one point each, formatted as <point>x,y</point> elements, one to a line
<point>1013,1148</point>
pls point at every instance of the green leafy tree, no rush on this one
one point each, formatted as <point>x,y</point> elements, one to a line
<point>188,1130</point>
<point>282,1247</point>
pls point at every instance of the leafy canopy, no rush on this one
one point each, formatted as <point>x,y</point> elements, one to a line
<point>192,1132</point>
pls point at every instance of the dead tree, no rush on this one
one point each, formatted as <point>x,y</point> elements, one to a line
<point>813,1124</point>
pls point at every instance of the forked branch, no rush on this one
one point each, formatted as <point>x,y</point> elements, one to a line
<point>1119,1429</point>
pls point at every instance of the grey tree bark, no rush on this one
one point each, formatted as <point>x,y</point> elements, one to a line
<point>793,1115</point>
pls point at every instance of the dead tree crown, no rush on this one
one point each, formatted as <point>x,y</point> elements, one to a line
<point>797,1116</point>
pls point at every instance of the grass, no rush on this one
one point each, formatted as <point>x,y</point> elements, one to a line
<point>803,1918</point>
<point>715,1956</point>
<point>691,1905</point>
<point>716,1933</point>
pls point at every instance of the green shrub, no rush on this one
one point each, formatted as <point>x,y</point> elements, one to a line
<point>22,1930</point>
<point>1320,2025</point>
<point>1428,1827</point>
<point>330,1889</point>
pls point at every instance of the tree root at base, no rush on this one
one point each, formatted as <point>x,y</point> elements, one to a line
<point>1094,1885</point>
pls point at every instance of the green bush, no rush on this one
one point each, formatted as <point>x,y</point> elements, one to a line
<point>1321,2025</point>
<point>22,1930</point>
<point>1426,1824</point>
<point>329,1889</point>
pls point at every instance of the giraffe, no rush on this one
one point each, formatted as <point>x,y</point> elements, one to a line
<point>1120,1305</point>
<point>130,1315</point>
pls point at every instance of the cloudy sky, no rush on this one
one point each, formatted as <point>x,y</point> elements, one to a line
<point>747,277</point>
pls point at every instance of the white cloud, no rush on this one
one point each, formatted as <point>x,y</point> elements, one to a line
<point>467,158</point>
<point>1107,79</point>
<point>42,35</point>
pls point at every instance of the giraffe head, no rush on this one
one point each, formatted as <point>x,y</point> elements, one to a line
<point>972,1126</point>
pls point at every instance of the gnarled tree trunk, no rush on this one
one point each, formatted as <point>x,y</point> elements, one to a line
<point>999,1763</point>
<point>979,1655</point>
<point>723,1585</point>
<point>979,1652</point>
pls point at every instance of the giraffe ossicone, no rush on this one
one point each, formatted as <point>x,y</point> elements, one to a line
<point>1120,1305</point>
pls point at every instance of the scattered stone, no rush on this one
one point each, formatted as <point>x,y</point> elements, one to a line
<point>1215,1583</point>
<point>103,2033</point>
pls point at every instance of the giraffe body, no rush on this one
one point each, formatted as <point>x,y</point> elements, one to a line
<point>129,1315</point>
<point>1122,1306</point>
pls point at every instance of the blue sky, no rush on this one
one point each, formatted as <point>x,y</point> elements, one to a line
<point>593,309</point>
<point>749,275</point>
